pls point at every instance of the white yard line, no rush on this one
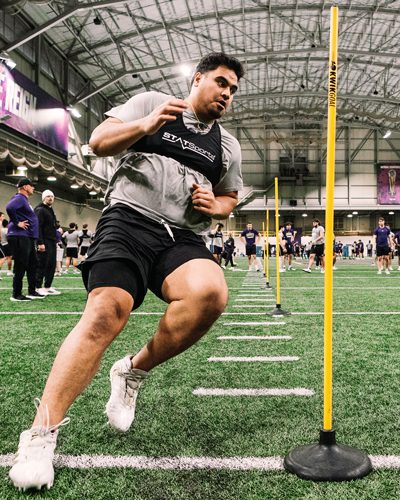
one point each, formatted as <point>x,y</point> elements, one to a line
<point>252,359</point>
<point>250,313</point>
<point>274,463</point>
<point>261,299</point>
<point>244,306</point>
<point>296,391</point>
<point>254,337</point>
<point>255,323</point>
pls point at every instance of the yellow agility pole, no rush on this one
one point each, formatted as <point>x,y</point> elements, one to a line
<point>264,260</point>
<point>278,311</point>
<point>267,285</point>
<point>327,460</point>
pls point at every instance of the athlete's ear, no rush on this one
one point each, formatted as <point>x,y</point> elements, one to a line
<point>196,79</point>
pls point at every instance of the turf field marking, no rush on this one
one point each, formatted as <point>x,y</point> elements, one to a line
<point>253,305</point>
<point>252,359</point>
<point>260,299</point>
<point>296,391</point>
<point>255,323</point>
<point>274,463</point>
<point>250,313</point>
<point>254,337</point>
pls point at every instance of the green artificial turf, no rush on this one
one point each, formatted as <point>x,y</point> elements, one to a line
<point>171,421</point>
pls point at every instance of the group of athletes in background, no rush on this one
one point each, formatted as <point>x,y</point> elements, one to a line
<point>385,242</point>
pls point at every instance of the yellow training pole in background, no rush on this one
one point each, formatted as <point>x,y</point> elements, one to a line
<point>277,246</point>
<point>278,311</point>
<point>263,233</point>
<point>267,285</point>
<point>328,461</point>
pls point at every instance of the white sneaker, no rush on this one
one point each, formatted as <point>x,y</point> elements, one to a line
<point>282,270</point>
<point>307,270</point>
<point>387,271</point>
<point>379,272</point>
<point>334,268</point>
<point>125,383</point>
<point>317,267</point>
<point>322,271</point>
<point>398,268</point>
<point>51,291</point>
<point>42,291</point>
<point>65,272</point>
<point>223,267</point>
<point>390,268</point>
<point>10,273</point>
<point>33,463</point>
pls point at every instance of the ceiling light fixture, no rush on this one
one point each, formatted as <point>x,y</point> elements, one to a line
<point>74,112</point>
<point>51,178</point>
<point>304,215</point>
<point>349,216</point>
<point>22,168</point>
<point>185,70</point>
<point>355,213</point>
<point>391,213</point>
<point>387,134</point>
<point>93,192</point>
<point>74,186</point>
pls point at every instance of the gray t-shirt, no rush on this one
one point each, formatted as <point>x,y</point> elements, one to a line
<point>160,187</point>
<point>4,240</point>
<point>71,239</point>
<point>316,233</point>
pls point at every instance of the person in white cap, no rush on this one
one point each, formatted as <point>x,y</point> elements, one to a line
<point>46,244</point>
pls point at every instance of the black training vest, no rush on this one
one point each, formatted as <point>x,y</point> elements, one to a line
<point>201,152</point>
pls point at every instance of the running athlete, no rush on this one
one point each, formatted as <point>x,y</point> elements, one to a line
<point>288,236</point>
<point>317,246</point>
<point>382,243</point>
<point>182,168</point>
<point>217,242</point>
<point>397,243</point>
<point>250,237</point>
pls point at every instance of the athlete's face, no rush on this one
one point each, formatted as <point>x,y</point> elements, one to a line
<point>381,223</point>
<point>215,90</point>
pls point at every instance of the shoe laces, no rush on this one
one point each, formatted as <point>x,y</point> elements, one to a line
<point>44,426</point>
<point>132,384</point>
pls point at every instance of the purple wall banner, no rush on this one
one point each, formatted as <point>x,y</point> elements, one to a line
<point>27,108</point>
<point>389,185</point>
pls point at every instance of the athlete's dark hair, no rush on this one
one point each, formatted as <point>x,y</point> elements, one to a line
<point>382,218</point>
<point>316,220</point>
<point>72,225</point>
<point>287,223</point>
<point>4,222</point>
<point>215,59</point>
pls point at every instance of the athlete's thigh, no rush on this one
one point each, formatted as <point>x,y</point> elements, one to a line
<point>194,278</point>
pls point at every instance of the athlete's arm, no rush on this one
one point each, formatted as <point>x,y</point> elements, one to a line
<point>114,136</point>
<point>214,205</point>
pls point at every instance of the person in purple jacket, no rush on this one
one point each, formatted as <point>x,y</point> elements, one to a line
<point>23,231</point>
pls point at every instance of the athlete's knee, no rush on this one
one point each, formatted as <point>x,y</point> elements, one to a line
<point>109,311</point>
<point>211,299</point>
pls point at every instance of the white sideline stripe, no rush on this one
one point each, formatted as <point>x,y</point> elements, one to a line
<point>254,359</point>
<point>254,337</point>
<point>261,299</point>
<point>254,305</point>
<point>185,463</point>
<point>255,323</point>
<point>254,294</point>
<point>296,391</point>
<point>251,313</point>
<point>339,288</point>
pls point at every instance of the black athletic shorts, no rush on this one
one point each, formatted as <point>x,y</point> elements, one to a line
<point>132,252</point>
<point>72,253</point>
<point>318,250</point>
<point>289,249</point>
<point>382,251</point>
<point>5,251</point>
<point>217,250</point>
<point>83,251</point>
<point>251,250</point>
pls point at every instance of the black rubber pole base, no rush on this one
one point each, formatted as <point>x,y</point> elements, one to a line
<point>278,311</point>
<point>328,461</point>
<point>266,285</point>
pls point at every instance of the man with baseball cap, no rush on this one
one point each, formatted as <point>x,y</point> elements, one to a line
<point>22,236</point>
<point>46,244</point>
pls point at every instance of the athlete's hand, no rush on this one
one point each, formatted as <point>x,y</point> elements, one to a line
<point>164,113</point>
<point>41,248</point>
<point>24,224</point>
<point>204,200</point>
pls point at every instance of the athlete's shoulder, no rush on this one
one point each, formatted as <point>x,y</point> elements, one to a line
<point>228,138</point>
